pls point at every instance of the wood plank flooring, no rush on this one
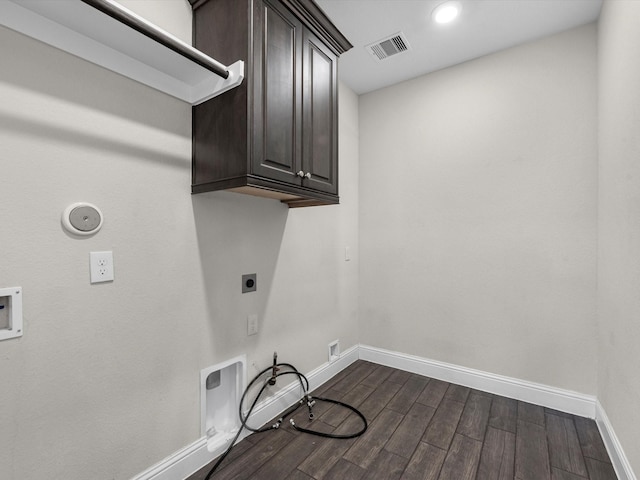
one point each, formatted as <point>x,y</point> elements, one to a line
<point>421,428</point>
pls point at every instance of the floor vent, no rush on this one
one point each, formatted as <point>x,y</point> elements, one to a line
<point>388,47</point>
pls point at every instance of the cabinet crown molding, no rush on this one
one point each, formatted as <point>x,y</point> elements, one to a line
<point>314,18</point>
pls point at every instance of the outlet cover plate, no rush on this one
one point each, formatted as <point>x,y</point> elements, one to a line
<point>252,324</point>
<point>249,282</point>
<point>10,313</point>
<point>101,266</point>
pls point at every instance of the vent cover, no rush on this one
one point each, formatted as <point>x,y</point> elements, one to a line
<point>387,47</point>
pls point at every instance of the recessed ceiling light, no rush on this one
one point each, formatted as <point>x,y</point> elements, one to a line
<point>446,12</point>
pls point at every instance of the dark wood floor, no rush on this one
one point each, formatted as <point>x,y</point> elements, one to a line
<point>421,428</point>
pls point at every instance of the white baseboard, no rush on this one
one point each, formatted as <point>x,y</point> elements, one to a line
<point>556,398</point>
<point>192,458</point>
<point>181,464</point>
<point>616,453</point>
<point>550,397</point>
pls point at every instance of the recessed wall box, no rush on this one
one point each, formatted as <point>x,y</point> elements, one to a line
<point>10,312</point>
<point>334,351</point>
<point>221,388</point>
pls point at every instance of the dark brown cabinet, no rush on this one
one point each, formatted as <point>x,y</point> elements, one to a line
<point>276,135</point>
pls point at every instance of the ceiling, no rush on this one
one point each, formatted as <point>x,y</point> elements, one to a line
<point>483,27</point>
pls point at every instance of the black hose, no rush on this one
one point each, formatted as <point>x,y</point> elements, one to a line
<point>304,384</point>
<point>333,435</point>
<point>305,388</point>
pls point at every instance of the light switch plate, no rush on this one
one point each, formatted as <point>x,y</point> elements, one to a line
<point>10,312</point>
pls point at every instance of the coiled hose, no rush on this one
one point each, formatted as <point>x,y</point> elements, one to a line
<point>276,372</point>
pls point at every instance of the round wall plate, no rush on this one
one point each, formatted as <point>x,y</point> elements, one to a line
<point>82,218</point>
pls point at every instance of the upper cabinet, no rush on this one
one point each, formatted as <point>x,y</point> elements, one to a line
<point>276,135</point>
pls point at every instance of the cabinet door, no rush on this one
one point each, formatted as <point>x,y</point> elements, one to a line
<point>320,116</point>
<point>277,83</point>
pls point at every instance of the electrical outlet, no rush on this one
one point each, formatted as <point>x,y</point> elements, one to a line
<point>249,282</point>
<point>252,324</point>
<point>101,266</point>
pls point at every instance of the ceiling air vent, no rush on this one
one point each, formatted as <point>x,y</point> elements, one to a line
<point>387,47</point>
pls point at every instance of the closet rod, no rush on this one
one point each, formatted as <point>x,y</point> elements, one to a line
<point>118,13</point>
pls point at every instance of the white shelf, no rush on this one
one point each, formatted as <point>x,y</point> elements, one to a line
<point>84,31</point>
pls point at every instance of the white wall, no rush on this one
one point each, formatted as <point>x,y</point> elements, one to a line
<point>476,234</point>
<point>105,380</point>
<point>478,213</point>
<point>619,227</point>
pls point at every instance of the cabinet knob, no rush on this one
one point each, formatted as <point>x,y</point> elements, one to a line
<point>308,175</point>
<point>300,174</point>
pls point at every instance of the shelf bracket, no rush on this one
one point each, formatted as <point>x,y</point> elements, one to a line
<point>217,86</point>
